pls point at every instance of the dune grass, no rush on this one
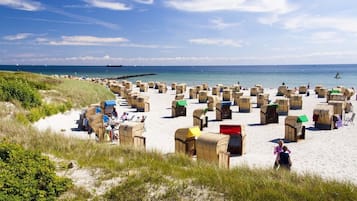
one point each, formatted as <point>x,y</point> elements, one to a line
<point>154,176</point>
<point>171,177</point>
<point>82,93</point>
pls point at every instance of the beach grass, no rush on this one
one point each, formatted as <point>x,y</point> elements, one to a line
<point>154,176</point>
<point>82,93</point>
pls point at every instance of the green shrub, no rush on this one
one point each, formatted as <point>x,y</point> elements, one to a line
<point>20,117</point>
<point>21,90</point>
<point>37,113</point>
<point>27,175</point>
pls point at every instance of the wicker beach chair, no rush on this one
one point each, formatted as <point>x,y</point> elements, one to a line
<point>294,130</point>
<point>237,138</point>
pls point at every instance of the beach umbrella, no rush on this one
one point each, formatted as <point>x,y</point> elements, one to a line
<point>302,118</point>
<point>194,132</point>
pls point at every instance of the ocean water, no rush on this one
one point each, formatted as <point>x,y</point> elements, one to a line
<point>270,76</point>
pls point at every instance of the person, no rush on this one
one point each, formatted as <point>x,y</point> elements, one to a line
<point>284,159</point>
<point>115,113</point>
<point>124,117</point>
<point>277,150</point>
<point>143,119</point>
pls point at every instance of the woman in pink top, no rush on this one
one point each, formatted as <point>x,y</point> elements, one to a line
<point>277,150</point>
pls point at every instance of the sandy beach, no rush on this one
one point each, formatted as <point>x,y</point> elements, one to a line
<point>328,153</point>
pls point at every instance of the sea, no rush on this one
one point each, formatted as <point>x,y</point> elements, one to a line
<point>269,76</point>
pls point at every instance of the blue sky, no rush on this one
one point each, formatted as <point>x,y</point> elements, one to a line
<point>178,32</point>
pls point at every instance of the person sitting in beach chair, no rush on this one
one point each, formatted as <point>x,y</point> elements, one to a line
<point>124,116</point>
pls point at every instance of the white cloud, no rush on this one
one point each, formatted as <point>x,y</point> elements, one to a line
<point>85,19</point>
<point>145,1</point>
<point>326,37</point>
<point>218,23</point>
<point>217,42</point>
<point>149,46</point>
<point>83,41</point>
<point>263,6</point>
<point>303,22</point>
<point>98,41</point>
<point>19,36</point>
<point>108,4</point>
<point>317,57</point>
<point>26,5</point>
<point>269,19</point>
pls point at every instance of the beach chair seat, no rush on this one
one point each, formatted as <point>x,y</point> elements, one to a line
<point>269,114</point>
<point>223,110</point>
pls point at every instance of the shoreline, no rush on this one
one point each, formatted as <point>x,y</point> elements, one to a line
<point>330,154</point>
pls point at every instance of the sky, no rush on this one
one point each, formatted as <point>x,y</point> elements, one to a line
<point>178,32</point>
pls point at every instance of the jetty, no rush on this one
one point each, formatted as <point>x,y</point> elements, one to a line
<point>130,76</point>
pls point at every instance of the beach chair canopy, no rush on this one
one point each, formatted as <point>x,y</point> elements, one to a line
<point>98,110</point>
<point>194,132</point>
<point>226,103</point>
<point>181,103</point>
<point>105,118</point>
<point>109,103</point>
<point>302,118</point>
<point>335,91</point>
<point>230,129</point>
<point>274,105</point>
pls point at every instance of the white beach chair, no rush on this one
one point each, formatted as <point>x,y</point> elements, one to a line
<point>349,120</point>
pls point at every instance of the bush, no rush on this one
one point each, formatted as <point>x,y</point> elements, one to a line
<point>27,175</point>
<point>21,90</point>
<point>20,117</point>
<point>37,113</point>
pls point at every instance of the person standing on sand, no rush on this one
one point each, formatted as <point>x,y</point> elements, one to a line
<point>277,150</point>
<point>284,159</point>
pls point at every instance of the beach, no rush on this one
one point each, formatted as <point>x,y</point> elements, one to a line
<point>330,154</point>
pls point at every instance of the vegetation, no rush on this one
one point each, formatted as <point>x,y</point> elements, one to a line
<point>24,89</point>
<point>27,175</point>
<point>82,94</point>
<point>20,90</point>
<point>153,176</point>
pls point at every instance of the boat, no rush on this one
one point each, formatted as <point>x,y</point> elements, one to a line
<point>116,66</point>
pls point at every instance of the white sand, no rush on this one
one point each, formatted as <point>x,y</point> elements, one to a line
<point>328,153</point>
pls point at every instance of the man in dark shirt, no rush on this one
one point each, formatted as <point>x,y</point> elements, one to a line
<point>284,159</point>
